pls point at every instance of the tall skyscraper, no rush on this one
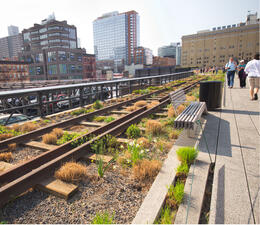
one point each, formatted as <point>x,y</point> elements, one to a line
<point>51,48</point>
<point>116,35</point>
<point>10,46</point>
<point>13,30</point>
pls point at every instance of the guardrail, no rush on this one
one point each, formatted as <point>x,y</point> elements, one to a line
<point>48,100</point>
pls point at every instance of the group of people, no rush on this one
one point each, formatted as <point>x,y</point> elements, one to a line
<point>250,70</point>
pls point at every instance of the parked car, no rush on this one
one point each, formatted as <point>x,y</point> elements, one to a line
<point>15,118</point>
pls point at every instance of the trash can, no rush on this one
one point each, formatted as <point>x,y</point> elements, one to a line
<point>211,93</point>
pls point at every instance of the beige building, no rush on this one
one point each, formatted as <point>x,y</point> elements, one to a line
<point>213,48</point>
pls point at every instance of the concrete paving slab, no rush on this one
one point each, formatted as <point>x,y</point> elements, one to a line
<point>230,201</point>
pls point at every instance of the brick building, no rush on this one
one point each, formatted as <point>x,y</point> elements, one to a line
<point>213,48</point>
<point>14,71</point>
<point>51,49</point>
<point>89,66</point>
<point>143,56</point>
<point>163,61</point>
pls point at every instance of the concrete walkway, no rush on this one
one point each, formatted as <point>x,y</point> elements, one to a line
<point>235,193</point>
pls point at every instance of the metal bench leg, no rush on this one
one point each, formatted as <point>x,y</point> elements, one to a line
<point>203,135</point>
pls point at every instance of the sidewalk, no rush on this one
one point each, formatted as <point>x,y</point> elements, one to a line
<point>235,193</point>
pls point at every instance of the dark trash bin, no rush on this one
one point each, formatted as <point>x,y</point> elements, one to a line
<point>211,93</point>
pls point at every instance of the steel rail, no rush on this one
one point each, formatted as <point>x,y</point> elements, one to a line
<point>33,134</point>
<point>20,170</point>
<point>24,181</point>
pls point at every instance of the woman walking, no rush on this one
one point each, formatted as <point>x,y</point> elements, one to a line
<point>241,73</point>
<point>253,71</point>
<point>231,69</point>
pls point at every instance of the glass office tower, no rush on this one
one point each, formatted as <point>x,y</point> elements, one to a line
<point>115,37</point>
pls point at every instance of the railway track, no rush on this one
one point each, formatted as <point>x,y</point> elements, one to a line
<point>22,177</point>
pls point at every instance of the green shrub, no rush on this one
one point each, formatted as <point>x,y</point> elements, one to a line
<point>103,218</point>
<point>99,118</point>
<point>136,151</point>
<point>166,216</point>
<point>109,119</point>
<point>133,131</point>
<point>78,112</point>
<point>105,144</point>
<point>176,192</point>
<point>183,168</point>
<point>97,105</point>
<point>67,137</point>
<point>187,154</point>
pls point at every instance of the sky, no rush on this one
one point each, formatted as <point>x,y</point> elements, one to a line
<point>161,21</point>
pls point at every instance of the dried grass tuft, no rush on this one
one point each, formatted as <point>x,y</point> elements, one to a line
<point>174,134</point>
<point>5,136</point>
<point>152,104</point>
<point>141,103</point>
<point>12,147</point>
<point>171,112</point>
<point>145,169</point>
<point>50,139</point>
<point>131,108</point>
<point>154,127</point>
<point>71,172</point>
<point>144,142</point>
<point>15,127</point>
<point>58,132</point>
<point>191,98</point>
<point>29,126</point>
<point>180,109</point>
<point>6,156</point>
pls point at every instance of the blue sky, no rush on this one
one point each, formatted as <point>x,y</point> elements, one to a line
<point>161,21</point>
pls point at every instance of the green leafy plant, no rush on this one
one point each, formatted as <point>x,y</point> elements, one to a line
<point>176,192</point>
<point>183,169</point>
<point>136,151</point>
<point>78,112</point>
<point>99,118</point>
<point>103,218</point>
<point>67,137</point>
<point>109,119</point>
<point>101,166</point>
<point>133,131</point>
<point>187,154</point>
<point>166,216</point>
<point>97,105</point>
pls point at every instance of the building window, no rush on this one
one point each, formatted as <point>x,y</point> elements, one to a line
<point>43,30</point>
<point>63,68</point>
<point>62,56</point>
<point>72,33</point>
<point>26,37</point>
<point>72,57</point>
<point>43,36</point>
<point>39,57</point>
<point>52,69</point>
<point>39,70</point>
<point>72,44</point>
<point>51,56</point>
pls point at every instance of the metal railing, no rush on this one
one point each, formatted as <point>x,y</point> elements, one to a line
<point>48,100</point>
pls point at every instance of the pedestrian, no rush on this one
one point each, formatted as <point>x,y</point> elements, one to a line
<point>216,70</point>
<point>231,69</point>
<point>253,71</point>
<point>242,74</point>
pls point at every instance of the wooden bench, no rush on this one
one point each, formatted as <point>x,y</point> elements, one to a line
<point>189,119</point>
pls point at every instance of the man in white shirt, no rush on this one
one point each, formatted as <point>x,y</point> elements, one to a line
<point>253,71</point>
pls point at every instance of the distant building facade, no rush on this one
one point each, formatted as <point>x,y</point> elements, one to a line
<point>13,71</point>
<point>163,61</point>
<point>172,51</point>
<point>10,46</point>
<point>143,56</point>
<point>116,35</point>
<point>51,49</point>
<point>13,30</point>
<point>213,48</point>
<point>89,66</point>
